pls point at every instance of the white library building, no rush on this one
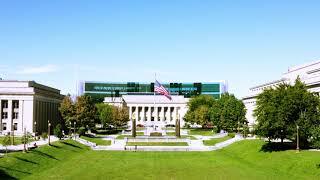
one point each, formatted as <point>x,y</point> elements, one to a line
<point>309,73</point>
<point>27,105</point>
<point>156,111</point>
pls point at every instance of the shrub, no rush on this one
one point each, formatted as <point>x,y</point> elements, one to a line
<point>315,140</point>
<point>108,131</point>
<point>155,134</point>
<point>140,125</point>
<point>44,135</point>
<point>232,135</point>
<point>187,126</point>
<point>82,131</point>
<point>6,142</point>
<point>245,131</point>
<point>215,129</point>
<point>57,131</point>
<point>25,138</point>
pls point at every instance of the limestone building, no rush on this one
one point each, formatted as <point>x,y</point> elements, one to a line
<point>29,105</point>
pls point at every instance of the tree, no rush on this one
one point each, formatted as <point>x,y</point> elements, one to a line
<point>279,111</point>
<point>85,111</point>
<point>67,110</point>
<point>105,114</point>
<point>120,116</point>
<point>315,140</point>
<point>58,131</point>
<point>198,111</point>
<point>6,142</point>
<point>228,112</point>
<point>201,114</point>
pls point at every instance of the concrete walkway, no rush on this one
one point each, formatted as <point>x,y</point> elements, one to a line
<point>30,145</point>
<point>193,145</point>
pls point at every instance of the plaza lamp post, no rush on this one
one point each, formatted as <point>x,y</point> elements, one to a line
<point>298,148</point>
<point>74,129</point>
<point>70,132</point>
<point>49,124</point>
<point>12,128</point>
<point>24,140</point>
<point>238,127</point>
<point>35,130</point>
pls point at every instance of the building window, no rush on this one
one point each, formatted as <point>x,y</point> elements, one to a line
<point>4,126</point>
<point>4,104</point>
<point>5,115</point>
<point>15,115</point>
<point>15,104</point>
<point>15,126</point>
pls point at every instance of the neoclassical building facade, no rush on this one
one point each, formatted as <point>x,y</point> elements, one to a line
<point>27,105</point>
<point>149,110</point>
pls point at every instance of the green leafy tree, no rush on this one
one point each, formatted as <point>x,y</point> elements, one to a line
<point>120,116</point>
<point>198,111</point>
<point>228,112</point>
<point>58,131</point>
<point>67,110</point>
<point>315,139</point>
<point>201,114</point>
<point>85,111</point>
<point>6,142</point>
<point>44,135</point>
<point>105,113</point>
<point>279,111</point>
<point>25,138</point>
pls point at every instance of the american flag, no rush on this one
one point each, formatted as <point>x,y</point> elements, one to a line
<point>158,88</point>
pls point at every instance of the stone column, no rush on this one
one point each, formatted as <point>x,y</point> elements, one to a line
<point>130,113</point>
<point>168,114</point>
<point>137,113</point>
<point>149,114</point>
<point>175,117</point>
<point>21,123</point>
<point>162,114</point>
<point>9,125</point>
<point>143,114</point>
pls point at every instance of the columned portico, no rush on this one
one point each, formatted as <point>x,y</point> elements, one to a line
<point>156,112</point>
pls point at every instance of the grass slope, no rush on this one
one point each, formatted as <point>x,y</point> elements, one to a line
<point>242,160</point>
<point>212,142</point>
<point>199,131</point>
<point>97,140</point>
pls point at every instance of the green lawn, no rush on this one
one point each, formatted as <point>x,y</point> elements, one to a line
<point>129,136</point>
<point>183,136</point>
<point>212,142</point>
<point>171,133</point>
<point>123,136</point>
<point>157,143</point>
<point>97,140</point>
<point>242,160</point>
<point>203,132</point>
<point>17,140</point>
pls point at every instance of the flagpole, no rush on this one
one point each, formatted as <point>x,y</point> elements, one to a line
<point>154,99</point>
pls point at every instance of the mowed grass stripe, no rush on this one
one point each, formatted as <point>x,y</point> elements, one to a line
<point>157,144</point>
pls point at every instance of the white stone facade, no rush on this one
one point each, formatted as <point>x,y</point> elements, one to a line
<point>309,73</point>
<point>29,105</point>
<point>149,110</point>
